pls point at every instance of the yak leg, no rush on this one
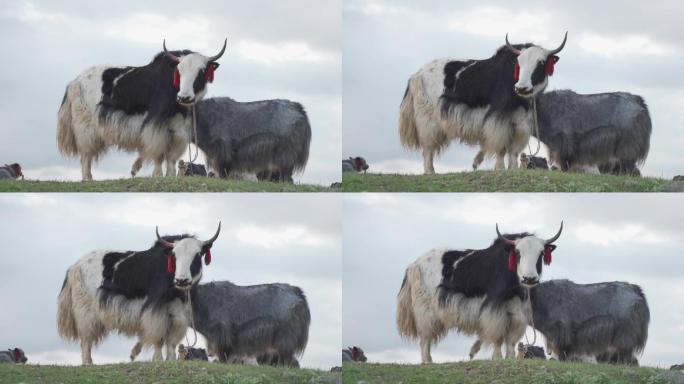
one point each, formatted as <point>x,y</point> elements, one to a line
<point>510,350</point>
<point>500,165</point>
<point>497,351</point>
<point>86,347</point>
<point>475,348</point>
<point>158,167</point>
<point>170,351</point>
<point>158,351</point>
<point>479,158</point>
<point>137,165</point>
<point>425,350</point>
<point>428,157</point>
<point>136,350</point>
<point>170,167</point>
<point>86,163</point>
<point>512,160</point>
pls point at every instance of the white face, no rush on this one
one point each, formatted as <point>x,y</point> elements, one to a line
<point>189,67</point>
<point>185,251</point>
<point>530,249</point>
<point>529,60</point>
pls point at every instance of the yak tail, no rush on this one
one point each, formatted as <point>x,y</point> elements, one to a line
<point>408,131</point>
<point>301,131</point>
<point>644,127</point>
<point>66,322</point>
<point>643,317</point>
<point>406,321</point>
<point>66,139</point>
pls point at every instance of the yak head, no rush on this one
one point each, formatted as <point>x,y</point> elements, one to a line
<point>533,67</point>
<point>185,258</point>
<point>525,255</point>
<point>192,73</point>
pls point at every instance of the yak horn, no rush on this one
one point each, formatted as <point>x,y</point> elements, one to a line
<point>551,240</point>
<point>561,46</point>
<point>211,241</point>
<point>169,54</point>
<point>510,47</point>
<point>505,240</point>
<point>164,242</point>
<point>216,57</point>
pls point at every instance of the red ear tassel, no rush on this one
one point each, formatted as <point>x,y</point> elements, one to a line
<point>207,257</point>
<point>516,72</point>
<point>209,73</point>
<point>511,261</point>
<point>171,264</point>
<point>550,65</point>
<point>547,255</point>
<point>176,78</point>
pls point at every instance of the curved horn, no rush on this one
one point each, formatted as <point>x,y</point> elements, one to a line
<point>211,241</point>
<point>510,47</point>
<point>164,242</point>
<point>505,240</point>
<point>561,46</point>
<point>216,57</point>
<point>551,240</point>
<point>169,54</point>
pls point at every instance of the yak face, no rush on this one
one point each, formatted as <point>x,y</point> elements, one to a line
<point>525,255</point>
<point>192,73</point>
<point>187,260</point>
<point>533,67</point>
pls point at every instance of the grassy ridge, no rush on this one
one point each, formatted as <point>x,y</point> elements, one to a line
<point>505,181</point>
<point>169,372</point>
<point>158,184</point>
<point>507,372</point>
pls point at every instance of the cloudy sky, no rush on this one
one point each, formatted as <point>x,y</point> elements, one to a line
<point>293,239</point>
<point>633,238</point>
<point>612,46</point>
<point>275,50</point>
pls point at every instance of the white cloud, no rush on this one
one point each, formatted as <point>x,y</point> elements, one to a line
<point>531,25</point>
<point>293,51</point>
<point>623,234</point>
<point>149,28</point>
<point>625,45</point>
<point>278,237</point>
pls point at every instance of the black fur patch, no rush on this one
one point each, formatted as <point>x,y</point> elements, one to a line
<point>484,83</point>
<point>484,272</point>
<point>147,89</point>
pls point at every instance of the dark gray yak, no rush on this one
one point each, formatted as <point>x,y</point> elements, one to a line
<point>608,130</point>
<point>13,355</point>
<point>269,138</point>
<point>607,321</point>
<point>269,322</point>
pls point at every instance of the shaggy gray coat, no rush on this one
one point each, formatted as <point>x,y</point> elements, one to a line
<point>267,321</point>
<point>15,355</point>
<point>269,138</point>
<point>606,320</point>
<point>608,130</point>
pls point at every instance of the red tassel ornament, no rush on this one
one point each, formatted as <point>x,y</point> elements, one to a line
<point>516,72</point>
<point>209,73</point>
<point>171,263</point>
<point>550,65</point>
<point>176,78</point>
<point>207,257</point>
<point>511,261</point>
<point>547,255</point>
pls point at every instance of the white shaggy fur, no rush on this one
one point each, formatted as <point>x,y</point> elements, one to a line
<point>80,132</point>
<point>81,317</point>
<point>419,314</point>
<point>422,125</point>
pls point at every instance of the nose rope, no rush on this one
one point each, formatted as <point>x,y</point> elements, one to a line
<point>192,321</point>
<point>534,330</point>
<point>194,132</point>
<point>536,128</point>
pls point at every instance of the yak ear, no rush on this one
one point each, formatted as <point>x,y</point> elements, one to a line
<point>215,65</point>
<point>552,247</point>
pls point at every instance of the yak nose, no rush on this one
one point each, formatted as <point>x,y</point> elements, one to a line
<point>182,282</point>
<point>531,281</point>
<point>186,99</point>
<point>522,90</point>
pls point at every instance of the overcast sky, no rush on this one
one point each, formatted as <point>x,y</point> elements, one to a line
<point>606,237</point>
<point>612,46</point>
<point>293,238</point>
<point>276,49</point>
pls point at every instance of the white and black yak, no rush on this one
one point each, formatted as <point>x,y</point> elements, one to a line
<point>136,109</point>
<point>611,131</point>
<point>606,321</point>
<point>269,138</point>
<point>478,102</point>
<point>269,322</point>
<point>480,292</point>
<point>137,293</point>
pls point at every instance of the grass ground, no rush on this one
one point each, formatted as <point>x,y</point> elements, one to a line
<point>158,184</point>
<point>505,181</point>
<point>170,372</point>
<point>507,372</point>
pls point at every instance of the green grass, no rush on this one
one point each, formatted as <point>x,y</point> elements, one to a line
<point>505,181</point>
<point>158,184</point>
<point>163,372</point>
<point>506,372</point>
